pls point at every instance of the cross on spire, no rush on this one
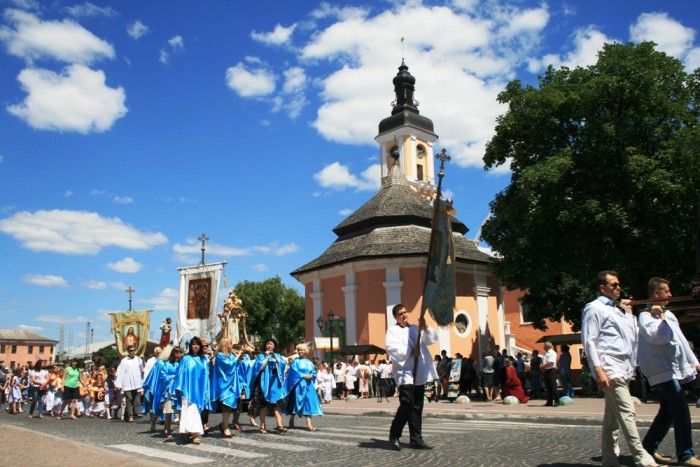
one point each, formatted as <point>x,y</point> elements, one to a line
<point>130,291</point>
<point>204,239</point>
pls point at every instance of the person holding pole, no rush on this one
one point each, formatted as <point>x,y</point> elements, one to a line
<point>413,367</point>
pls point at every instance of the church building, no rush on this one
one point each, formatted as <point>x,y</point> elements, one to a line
<point>380,254</point>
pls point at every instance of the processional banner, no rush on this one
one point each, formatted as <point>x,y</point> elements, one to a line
<point>131,328</point>
<point>439,293</point>
<point>197,301</point>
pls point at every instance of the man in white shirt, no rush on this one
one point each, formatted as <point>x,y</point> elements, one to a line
<point>609,337</point>
<point>402,347</point>
<point>667,360</point>
<point>548,367</point>
<point>129,381</point>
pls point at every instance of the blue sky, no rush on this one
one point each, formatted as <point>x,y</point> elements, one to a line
<point>128,128</point>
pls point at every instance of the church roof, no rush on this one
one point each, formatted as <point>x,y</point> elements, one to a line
<point>396,222</point>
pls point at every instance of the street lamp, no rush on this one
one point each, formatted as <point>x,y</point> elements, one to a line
<point>333,321</point>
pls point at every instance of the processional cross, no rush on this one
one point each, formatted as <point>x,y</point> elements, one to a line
<point>203,238</point>
<point>130,291</point>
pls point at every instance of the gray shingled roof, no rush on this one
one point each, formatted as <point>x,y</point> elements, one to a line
<point>18,335</point>
<point>394,223</point>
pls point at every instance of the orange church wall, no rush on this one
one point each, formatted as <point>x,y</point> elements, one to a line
<point>309,322</point>
<point>333,297</point>
<point>412,291</point>
<point>371,307</point>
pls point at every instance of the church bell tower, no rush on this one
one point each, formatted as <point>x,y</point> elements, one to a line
<point>408,137</point>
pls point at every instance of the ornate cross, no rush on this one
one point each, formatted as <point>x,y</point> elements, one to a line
<point>130,291</point>
<point>442,157</point>
<point>203,238</point>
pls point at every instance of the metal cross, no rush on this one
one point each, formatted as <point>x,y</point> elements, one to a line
<point>130,291</point>
<point>442,157</point>
<point>203,238</point>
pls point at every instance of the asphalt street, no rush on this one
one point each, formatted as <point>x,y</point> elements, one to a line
<point>347,440</point>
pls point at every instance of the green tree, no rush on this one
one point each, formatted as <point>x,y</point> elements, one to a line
<point>273,310</point>
<point>605,175</point>
<point>107,356</point>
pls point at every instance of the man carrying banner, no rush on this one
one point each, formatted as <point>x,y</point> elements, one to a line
<point>402,348</point>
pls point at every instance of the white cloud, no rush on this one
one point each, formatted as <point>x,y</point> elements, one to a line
<point>193,247</point>
<point>345,212</point>
<point>260,267</point>
<point>165,301</point>
<point>45,280</point>
<point>32,39</point>
<point>587,42</point>
<point>692,60</point>
<point>76,232</point>
<point>127,265</point>
<point>62,319</point>
<point>280,35</point>
<point>123,199</point>
<point>338,177</point>
<point>75,100</point>
<point>328,10</point>
<point>250,82</point>
<point>669,35</point>
<point>176,44</point>
<point>67,194</point>
<point>88,9</point>
<point>96,285</point>
<point>27,327</point>
<point>137,29</point>
<point>119,285</point>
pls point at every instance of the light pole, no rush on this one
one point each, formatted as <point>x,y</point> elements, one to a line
<point>333,321</point>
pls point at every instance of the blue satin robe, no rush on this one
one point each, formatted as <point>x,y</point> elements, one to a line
<point>192,382</point>
<point>152,390</point>
<point>244,375</point>
<point>271,382</point>
<point>305,398</point>
<point>224,380</point>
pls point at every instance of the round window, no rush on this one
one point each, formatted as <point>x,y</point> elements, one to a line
<point>463,324</point>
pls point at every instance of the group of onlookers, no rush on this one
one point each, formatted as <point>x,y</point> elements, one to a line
<point>55,390</point>
<point>363,379</point>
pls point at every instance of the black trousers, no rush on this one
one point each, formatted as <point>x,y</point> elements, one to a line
<point>550,384</point>
<point>411,411</point>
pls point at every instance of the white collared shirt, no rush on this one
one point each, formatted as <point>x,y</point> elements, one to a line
<point>609,337</point>
<point>400,341</point>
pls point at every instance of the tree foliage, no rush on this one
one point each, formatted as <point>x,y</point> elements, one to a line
<point>274,310</point>
<point>605,167</point>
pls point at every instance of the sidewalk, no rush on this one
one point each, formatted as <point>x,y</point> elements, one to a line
<point>586,410</point>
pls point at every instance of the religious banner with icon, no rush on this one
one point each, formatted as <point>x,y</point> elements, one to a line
<point>131,328</point>
<point>197,301</point>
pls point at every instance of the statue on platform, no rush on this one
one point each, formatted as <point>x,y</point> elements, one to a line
<point>230,317</point>
<point>165,327</point>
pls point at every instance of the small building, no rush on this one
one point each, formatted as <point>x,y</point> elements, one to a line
<point>19,348</point>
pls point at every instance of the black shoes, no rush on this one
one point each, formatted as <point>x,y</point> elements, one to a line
<point>394,442</point>
<point>420,445</point>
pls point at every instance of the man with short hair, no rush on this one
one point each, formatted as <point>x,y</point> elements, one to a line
<point>403,347</point>
<point>666,359</point>
<point>548,367</point>
<point>609,337</point>
<point>129,381</point>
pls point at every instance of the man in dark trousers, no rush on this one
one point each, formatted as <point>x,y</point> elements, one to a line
<point>403,348</point>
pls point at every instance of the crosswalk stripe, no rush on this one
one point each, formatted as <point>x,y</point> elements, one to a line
<point>161,454</point>
<point>268,444</point>
<point>226,451</point>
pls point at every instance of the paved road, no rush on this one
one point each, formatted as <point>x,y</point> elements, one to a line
<point>342,440</point>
